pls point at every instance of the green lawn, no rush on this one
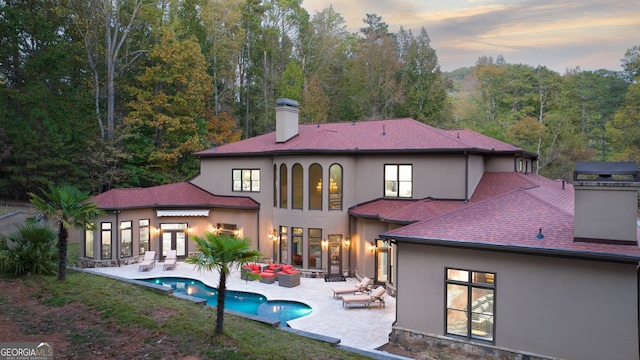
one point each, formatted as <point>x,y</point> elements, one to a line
<point>100,317</point>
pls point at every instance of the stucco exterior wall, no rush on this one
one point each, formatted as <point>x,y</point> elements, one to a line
<point>499,164</point>
<point>606,212</point>
<point>441,177</point>
<point>476,170</point>
<point>565,308</point>
<point>367,233</point>
<point>197,225</point>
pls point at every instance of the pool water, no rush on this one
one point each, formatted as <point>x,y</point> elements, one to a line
<point>246,302</point>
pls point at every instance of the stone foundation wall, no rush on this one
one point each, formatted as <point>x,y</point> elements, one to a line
<point>85,263</point>
<point>440,347</point>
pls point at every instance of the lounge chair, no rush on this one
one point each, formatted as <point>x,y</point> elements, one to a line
<point>376,295</point>
<point>148,262</point>
<point>170,260</point>
<point>357,287</point>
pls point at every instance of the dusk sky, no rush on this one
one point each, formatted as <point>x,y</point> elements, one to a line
<point>559,34</point>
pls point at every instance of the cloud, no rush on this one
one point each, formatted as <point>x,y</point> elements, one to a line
<point>557,34</point>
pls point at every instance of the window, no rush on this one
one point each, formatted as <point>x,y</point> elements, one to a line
<point>315,248</point>
<point>246,180</point>
<point>296,186</point>
<point>470,304</point>
<point>125,239</point>
<point>275,185</point>
<point>296,243</point>
<point>143,226</point>
<point>284,245</point>
<point>397,180</point>
<point>283,186</point>
<point>335,187</point>
<point>315,187</point>
<point>88,243</point>
<point>105,239</point>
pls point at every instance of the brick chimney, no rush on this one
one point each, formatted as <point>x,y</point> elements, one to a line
<point>606,202</point>
<point>286,119</point>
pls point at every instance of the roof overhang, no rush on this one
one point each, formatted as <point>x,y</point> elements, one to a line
<point>183,212</point>
<point>514,249</point>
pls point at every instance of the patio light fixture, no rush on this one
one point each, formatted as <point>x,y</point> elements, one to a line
<point>347,243</point>
<point>372,247</point>
<point>325,243</point>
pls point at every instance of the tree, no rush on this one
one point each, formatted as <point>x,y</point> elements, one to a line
<point>631,64</point>
<point>71,209</point>
<point>118,22</point>
<point>374,72</point>
<point>166,123</point>
<point>292,82</point>
<point>222,253</point>
<point>426,93</point>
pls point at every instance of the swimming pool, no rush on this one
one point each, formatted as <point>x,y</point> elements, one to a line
<point>246,302</point>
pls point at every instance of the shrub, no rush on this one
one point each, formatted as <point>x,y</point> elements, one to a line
<point>29,249</point>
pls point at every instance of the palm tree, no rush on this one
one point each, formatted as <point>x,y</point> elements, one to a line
<point>223,253</point>
<point>71,208</point>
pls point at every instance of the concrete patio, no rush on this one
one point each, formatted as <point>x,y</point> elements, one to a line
<point>357,327</point>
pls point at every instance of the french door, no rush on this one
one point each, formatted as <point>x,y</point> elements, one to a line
<point>174,237</point>
<point>335,255</point>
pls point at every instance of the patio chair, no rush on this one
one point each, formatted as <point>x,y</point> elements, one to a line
<point>148,262</point>
<point>170,260</point>
<point>376,295</point>
<point>289,278</point>
<point>357,287</point>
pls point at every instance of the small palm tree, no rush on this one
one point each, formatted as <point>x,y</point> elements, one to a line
<point>28,249</point>
<point>223,253</point>
<point>71,208</point>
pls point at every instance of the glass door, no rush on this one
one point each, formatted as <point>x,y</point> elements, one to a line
<point>335,255</point>
<point>383,263</point>
<point>174,237</point>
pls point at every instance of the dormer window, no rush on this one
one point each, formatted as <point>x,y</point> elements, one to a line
<point>398,180</point>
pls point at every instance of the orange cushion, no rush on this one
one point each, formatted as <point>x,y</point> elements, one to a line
<point>267,274</point>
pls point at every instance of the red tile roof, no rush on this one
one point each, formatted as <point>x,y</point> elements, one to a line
<point>395,135</point>
<point>506,212</point>
<point>182,194</point>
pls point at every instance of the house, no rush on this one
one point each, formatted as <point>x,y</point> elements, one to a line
<point>428,213</point>
<point>529,268</point>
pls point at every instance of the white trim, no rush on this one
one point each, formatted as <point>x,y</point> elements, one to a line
<point>191,212</point>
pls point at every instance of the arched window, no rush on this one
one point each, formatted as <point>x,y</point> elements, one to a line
<point>315,187</point>
<point>275,185</point>
<point>335,187</point>
<point>283,186</point>
<point>297,185</point>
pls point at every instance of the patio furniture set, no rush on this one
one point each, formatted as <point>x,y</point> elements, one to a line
<point>285,275</point>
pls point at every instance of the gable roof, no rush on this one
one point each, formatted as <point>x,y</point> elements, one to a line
<point>391,136</point>
<point>505,213</point>
<point>182,194</point>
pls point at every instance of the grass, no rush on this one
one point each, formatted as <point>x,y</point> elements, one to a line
<point>103,317</point>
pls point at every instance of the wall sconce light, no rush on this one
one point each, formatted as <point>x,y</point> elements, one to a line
<point>372,247</point>
<point>236,232</point>
<point>325,243</point>
<point>273,235</point>
<point>347,243</point>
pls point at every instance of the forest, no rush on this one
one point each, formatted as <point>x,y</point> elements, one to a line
<point>120,93</point>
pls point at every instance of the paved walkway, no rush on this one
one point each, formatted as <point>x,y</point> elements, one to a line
<point>358,327</point>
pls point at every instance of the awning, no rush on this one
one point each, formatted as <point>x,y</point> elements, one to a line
<point>190,212</point>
